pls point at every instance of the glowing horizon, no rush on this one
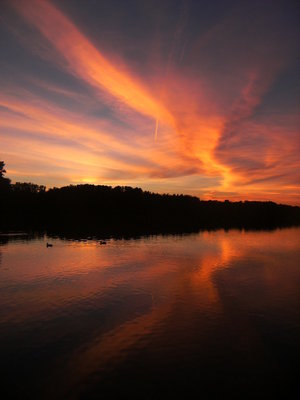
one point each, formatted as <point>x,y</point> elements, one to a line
<point>203,109</point>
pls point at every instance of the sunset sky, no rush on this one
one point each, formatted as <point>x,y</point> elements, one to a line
<point>196,97</point>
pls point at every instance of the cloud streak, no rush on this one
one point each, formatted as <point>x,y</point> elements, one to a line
<point>86,61</point>
<point>207,117</point>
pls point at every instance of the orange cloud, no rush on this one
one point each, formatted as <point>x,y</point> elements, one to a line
<point>188,127</point>
<point>87,62</point>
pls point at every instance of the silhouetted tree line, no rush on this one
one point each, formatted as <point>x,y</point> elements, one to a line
<point>120,209</point>
<point>4,182</point>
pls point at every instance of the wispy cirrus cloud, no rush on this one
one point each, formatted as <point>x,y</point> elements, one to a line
<point>207,95</point>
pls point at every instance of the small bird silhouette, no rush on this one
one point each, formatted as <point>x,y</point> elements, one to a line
<point>49,245</point>
<point>102,242</point>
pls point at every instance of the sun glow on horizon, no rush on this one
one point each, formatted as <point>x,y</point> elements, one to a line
<point>182,125</point>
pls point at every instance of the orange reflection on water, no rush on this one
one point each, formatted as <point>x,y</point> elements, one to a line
<point>131,293</point>
<point>160,265</point>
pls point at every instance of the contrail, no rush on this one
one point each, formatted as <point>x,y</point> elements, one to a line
<point>181,24</point>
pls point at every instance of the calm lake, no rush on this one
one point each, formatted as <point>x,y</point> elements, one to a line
<point>203,315</point>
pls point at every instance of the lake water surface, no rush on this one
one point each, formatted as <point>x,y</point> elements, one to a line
<point>204,315</point>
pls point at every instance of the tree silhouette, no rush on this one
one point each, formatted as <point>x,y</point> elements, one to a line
<point>2,170</point>
<point>4,182</point>
<point>28,187</point>
<point>124,209</point>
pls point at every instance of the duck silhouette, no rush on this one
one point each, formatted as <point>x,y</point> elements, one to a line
<point>102,242</point>
<point>49,245</point>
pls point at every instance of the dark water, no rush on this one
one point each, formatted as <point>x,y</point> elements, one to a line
<point>207,316</point>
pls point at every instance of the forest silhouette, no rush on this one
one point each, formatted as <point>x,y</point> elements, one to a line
<point>122,209</point>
